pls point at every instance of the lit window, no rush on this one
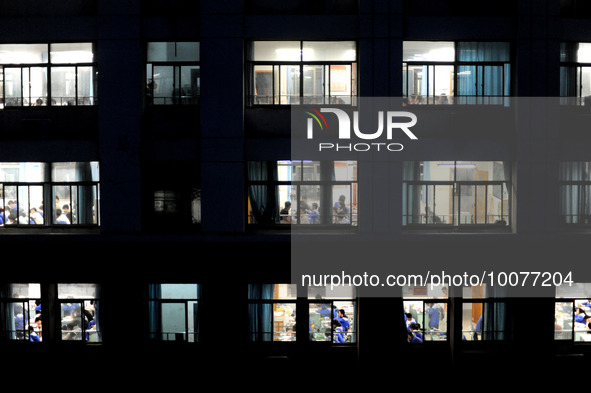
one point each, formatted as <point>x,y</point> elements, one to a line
<point>303,72</point>
<point>174,312</point>
<point>303,192</point>
<point>173,73</point>
<point>456,72</point>
<point>572,315</point>
<point>20,310</point>
<point>575,73</point>
<point>80,312</point>
<point>425,313</point>
<point>26,186</point>
<point>272,312</point>
<point>482,318</point>
<point>575,192</point>
<point>332,314</point>
<point>451,194</point>
<point>47,74</point>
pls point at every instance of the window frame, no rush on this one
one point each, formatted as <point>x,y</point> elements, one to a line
<point>302,98</point>
<point>85,339</point>
<point>49,66</point>
<point>177,66</point>
<point>49,187</point>
<point>7,303</point>
<point>566,87</point>
<point>326,187</point>
<point>423,329</point>
<point>261,336</point>
<point>457,64</point>
<point>434,221</point>
<point>351,334</point>
<point>155,311</point>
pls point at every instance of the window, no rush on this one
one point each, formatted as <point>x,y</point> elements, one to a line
<point>25,186</point>
<point>173,73</point>
<point>572,318</point>
<point>451,194</point>
<point>302,192</point>
<point>272,312</point>
<point>332,314</point>
<point>302,72</point>
<point>425,313</point>
<point>482,318</point>
<point>175,194</point>
<point>575,192</point>
<point>47,74</point>
<point>80,316</point>
<point>20,312</point>
<point>174,312</point>
<point>456,72</point>
<point>575,73</point>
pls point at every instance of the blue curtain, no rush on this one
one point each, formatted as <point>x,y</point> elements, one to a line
<point>264,198</point>
<point>260,314</point>
<point>495,316</point>
<point>481,79</point>
<point>154,315</point>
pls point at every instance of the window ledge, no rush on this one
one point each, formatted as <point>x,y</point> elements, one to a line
<point>469,229</point>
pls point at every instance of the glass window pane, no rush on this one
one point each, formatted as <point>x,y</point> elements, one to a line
<point>71,322</point>
<point>314,84</point>
<point>310,204</point>
<point>346,315</point>
<point>342,206</point>
<point>435,321</point>
<point>63,85</point>
<point>173,51</point>
<point>13,86</point>
<point>23,291</point>
<point>288,84</point>
<point>173,321</point>
<point>321,315</point>
<point>75,171</point>
<point>340,80</point>
<point>428,51</point>
<point>164,84</point>
<point>563,321</point>
<point>77,291</point>
<point>191,84</point>
<point>284,321</point>
<point>179,291</point>
<point>23,53</point>
<point>71,53</point>
<point>345,170</point>
<point>336,292</point>
<point>38,81</point>
<point>86,88</point>
<point>413,312</point>
<point>329,50</point>
<point>263,84</point>
<point>435,292</point>
<point>276,51</point>
<point>472,326</point>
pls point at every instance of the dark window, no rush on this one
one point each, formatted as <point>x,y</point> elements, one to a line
<point>173,75</point>
<point>174,312</point>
